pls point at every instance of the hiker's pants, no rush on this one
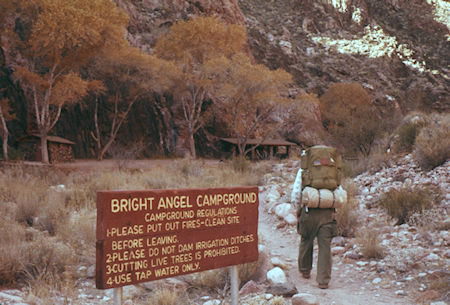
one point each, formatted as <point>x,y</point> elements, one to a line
<point>318,223</point>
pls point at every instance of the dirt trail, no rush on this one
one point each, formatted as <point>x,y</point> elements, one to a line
<point>346,288</point>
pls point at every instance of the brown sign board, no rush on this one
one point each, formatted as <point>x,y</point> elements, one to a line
<point>154,234</point>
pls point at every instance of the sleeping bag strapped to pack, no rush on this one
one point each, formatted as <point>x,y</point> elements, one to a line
<point>321,167</point>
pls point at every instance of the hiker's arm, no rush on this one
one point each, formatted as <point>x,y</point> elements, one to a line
<point>297,190</point>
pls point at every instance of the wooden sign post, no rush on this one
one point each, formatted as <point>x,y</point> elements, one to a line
<point>154,234</point>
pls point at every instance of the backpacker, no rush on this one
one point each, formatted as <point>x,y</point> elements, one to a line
<point>321,167</point>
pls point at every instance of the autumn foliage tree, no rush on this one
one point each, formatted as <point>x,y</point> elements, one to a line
<point>63,37</point>
<point>128,75</point>
<point>191,44</point>
<point>250,98</point>
<point>5,115</point>
<point>350,117</point>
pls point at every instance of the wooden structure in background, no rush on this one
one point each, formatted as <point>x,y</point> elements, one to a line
<point>267,149</point>
<point>59,149</point>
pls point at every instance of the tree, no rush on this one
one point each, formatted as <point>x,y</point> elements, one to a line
<point>5,115</point>
<point>128,75</point>
<point>65,35</point>
<point>250,98</point>
<point>349,116</point>
<point>191,45</point>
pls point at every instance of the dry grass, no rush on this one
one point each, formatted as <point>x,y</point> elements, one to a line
<point>278,300</point>
<point>48,216</point>
<point>404,202</point>
<point>430,220</point>
<point>404,136</point>
<point>432,146</point>
<point>214,279</point>
<point>166,296</point>
<point>347,216</point>
<point>370,244</point>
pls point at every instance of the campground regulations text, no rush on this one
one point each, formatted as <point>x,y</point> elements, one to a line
<point>154,234</point>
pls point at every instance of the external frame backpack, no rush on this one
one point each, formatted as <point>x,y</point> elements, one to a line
<point>321,167</point>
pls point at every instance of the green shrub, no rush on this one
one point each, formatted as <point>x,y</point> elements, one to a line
<point>432,146</point>
<point>402,203</point>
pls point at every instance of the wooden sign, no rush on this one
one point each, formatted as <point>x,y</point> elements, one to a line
<point>154,234</point>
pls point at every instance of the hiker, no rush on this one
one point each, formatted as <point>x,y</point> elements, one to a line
<point>316,193</point>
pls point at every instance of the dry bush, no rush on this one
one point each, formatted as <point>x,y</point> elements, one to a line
<point>354,167</point>
<point>347,220</point>
<point>124,154</point>
<point>210,279</point>
<point>302,123</point>
<point>404,136</point>
<point>48,223</point>
<point>79,230</point>
<point>29,256</point>
<point>47,259</point>
<point>441,284</point>
<point>370,244</point>
<point>347,216</point>
<point>240,164</point>
<point>432,146</point>
<point>350,117</point>
<point>433,219</point>
<point>253,270</point>
<point>378,160</point>
<point>278,300</point>
<point>166,296</point>
<point>12,250</point>
<point>402,203</point>
<point>52,214</point>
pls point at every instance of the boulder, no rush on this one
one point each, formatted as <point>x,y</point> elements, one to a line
<point>276,276</point>
<point>304,299</point>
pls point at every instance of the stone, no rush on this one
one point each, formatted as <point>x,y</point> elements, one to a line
<point>432,257</point>
<point>91,272</point>
<point>400,292</point>
<point>9,296</point>
<point>338,241</point>
<point>250,287</point>
<point>376,281</point>
<point>212,302</point>
<point>337,250</point>
<point>352,255</point>
<point>277,262</point>
<point>285,290</point>
<point>82,271</point>
<point>427,296</point>
<point>291,219</point>
<point>268,296</point>
<point>276,276</point>
<point>282,210</point>
<point>304,299</point>
<point>130,291</point>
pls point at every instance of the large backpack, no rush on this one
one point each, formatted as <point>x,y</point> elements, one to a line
<point>322,167</point>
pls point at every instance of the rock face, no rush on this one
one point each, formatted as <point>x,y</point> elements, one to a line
<point>282,34</point>
<point>151,18</point>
